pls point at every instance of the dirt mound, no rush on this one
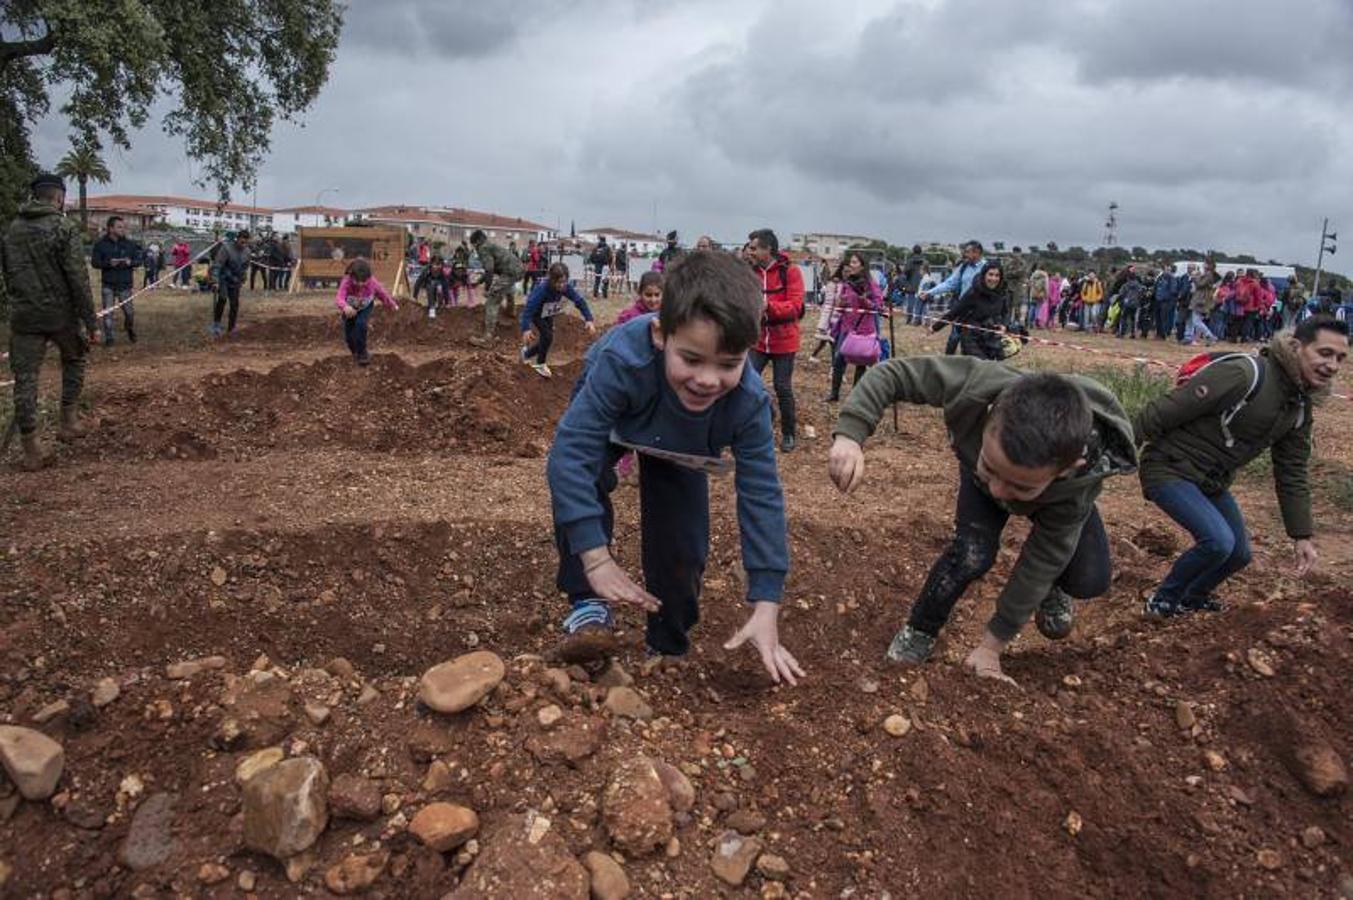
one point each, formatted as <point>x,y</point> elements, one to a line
<point>1089,779</point>
<point>483,402</point>
<point>409,326</point>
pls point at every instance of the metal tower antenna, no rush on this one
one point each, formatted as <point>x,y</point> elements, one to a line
<point>1111,226</point>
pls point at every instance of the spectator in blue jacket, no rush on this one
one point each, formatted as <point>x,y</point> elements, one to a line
<point>1166,294</point>
<point>116,256</point>
<point>545,302</point>
<point>957,284</point>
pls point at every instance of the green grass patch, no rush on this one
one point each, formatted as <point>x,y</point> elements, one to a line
<point>1135,387</point>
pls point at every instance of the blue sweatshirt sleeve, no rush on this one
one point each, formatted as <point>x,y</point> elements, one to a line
<point>579,451</point>
<point>533,304</point>
<point>572,293</point>
<point>98,257</point>
<point>949,285</point>
<point>761,507</point>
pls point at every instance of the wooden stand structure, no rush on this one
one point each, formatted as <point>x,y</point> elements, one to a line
<point>324,254</point>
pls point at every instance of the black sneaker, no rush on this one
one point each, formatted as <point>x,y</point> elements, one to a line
<point>1055,615</point>
<point>787,443</point>
<point>364,359</point>
<point>911,647</point>
<point>131,334</point>
<point>1161,608</point>
<point>1210,603</point>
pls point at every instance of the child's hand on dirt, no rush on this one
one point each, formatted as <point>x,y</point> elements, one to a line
<point>985,659</point>
<point>591,327</point>
<point>612,582</point>
<point>526,338</point>
<point>349,312</point>
<point>763,630</point>
<point>845,464</point>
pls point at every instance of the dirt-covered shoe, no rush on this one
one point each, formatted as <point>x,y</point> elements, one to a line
<point>33,458</point>
<point>1055,616</point>
<point>70,428</point>
<point>589,633</point>
<point>542,370</point>
<point>911,647</point>
<point>1210,603</point>
<point>1160,607</point>
<point>481,342</point>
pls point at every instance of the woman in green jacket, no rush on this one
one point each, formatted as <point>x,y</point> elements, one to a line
<point>1201,433</point>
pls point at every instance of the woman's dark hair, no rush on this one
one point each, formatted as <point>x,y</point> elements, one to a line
<point>557,271</point>
<point>359,269</point>
<point>650,279</point>
<point>840,274</point>
<point>719,288</point>
<point>993,267</point>
<point>1042,420</point>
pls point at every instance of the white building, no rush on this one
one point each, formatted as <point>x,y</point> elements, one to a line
<point>288,219</point>
<point>825,245</point>
<point>644,244</point>
<point>451,225</point>
<point>183,212</point>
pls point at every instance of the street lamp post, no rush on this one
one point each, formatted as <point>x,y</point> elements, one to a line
<point>1325,235</point>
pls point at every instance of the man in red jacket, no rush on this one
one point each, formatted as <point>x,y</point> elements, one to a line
<point>782,285</point>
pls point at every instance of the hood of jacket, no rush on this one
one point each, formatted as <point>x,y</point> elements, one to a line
<point>1283,351</point>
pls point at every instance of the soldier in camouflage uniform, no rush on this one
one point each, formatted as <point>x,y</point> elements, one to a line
<point>502,271</point>
<point>46,285</point>
<point>1017,280</point>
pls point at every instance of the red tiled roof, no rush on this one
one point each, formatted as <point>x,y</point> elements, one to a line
<point>136,201</point>
<point>312,210</point>
<point>465,218</point>
<point>623,233</point>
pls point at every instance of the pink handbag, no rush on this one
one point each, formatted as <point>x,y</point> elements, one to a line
<point>861,349</point>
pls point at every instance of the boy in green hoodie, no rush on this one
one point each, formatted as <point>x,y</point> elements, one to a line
<point>1035,445</point>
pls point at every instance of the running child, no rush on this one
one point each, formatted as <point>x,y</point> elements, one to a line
<point>434,278</point>
<point>677,382</point>
<point>546,302</point>
<point>1035,445</point>
<point>648,301</point>
<point>357,293</point>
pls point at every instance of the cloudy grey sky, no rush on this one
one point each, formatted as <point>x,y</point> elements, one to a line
<point>1213,125</point>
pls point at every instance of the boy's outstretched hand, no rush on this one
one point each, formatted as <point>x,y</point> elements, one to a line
<point>613,583</point>
<point>985,659</point>
<point>845,464</point>
<point>763,630</point>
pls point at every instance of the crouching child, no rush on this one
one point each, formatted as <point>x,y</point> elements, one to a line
<point>1035,445</point>
<point>675,382</point>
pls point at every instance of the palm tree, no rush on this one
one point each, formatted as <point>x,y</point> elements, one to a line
<point>83,163</point>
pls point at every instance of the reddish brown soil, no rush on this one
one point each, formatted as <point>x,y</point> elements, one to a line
<point>397,516</point>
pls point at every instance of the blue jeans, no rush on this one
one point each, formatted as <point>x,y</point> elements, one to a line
<point>919,310</point>
<point>1222,548</point>
<point>111,297</point>
<point>354,330</point>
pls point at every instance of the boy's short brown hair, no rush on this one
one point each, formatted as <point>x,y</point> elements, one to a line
<point>716,286</point>
<point>1043,420</point>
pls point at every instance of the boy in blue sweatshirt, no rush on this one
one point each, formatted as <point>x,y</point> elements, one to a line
<point>677,382</point>
<point>544,303</point>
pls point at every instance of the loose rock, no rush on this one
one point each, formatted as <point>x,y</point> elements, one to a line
<point>356,873</point>
<point>444,826</point>
<point>1270,859</point>
<point>105,692</point>
<point>1183,715</point>
<point>212,873</point>
<point>1318,766</point>
<point>354,797</point>
<point>636,808</point>
<point>734,856</point>
<point>286,807</point>
<point>615,676</point>
<point>1259,662</point>
<point>609,881</point>
<point>772,867</point>
<point>462,682</point>
<point>32,760</point>
<point>257,762</point>
<point>549,716</point>
<point>51,711</point>
<point>149,839</point>
<point>897,725</point>
<point>628,703</point>
<point>437,779</point>
<point>746,821</point>
<point>317,713</point>
<point>513,865</point>
<point>680,791</point>
<point>189,668</point>
<point>1214,760</point>
<point>1312,836</point>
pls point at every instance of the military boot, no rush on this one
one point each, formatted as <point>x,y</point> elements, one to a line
<point>70,424</point>
<point>33,459</point>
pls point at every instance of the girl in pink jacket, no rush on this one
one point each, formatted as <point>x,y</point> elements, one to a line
<point>357,295</point>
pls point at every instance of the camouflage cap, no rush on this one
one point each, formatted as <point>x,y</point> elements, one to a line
<point>47,179</point>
